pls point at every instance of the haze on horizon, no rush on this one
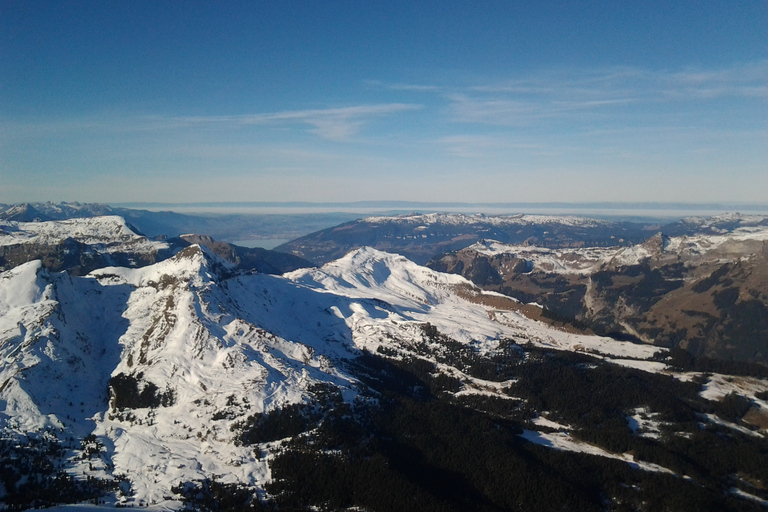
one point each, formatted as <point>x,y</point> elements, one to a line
<point>139,101</point>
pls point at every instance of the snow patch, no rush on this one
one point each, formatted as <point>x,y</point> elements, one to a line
<point>563,441</point>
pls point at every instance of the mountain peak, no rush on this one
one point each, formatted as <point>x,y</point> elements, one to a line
<point>656,244</point>
<point>195,265</point>
<point>208,262</point>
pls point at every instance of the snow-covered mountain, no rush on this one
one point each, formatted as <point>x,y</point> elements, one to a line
<point>107,234</point>
<point>148,380</point>
<point>78,245</point>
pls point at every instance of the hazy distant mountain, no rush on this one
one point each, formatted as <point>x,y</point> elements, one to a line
<point>421,237</point>
<point>715,225</point>
<point>226,227</point>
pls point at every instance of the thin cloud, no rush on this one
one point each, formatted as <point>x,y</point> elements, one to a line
<point>746,80</point>
<point>509,112</point>
<point>404,87</point>
<point>336,124</point>
<point>482,146</point>
<point>578,94</point>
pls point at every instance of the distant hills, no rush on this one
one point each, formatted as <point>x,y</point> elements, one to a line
<point>421,237</point>
<point>226,227</point>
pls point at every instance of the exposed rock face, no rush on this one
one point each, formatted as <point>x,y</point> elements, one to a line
<point>74,256</point>
<point>707,294</point>
<point>251,258</point>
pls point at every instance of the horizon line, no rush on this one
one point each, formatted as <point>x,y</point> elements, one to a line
<point>444,204</point>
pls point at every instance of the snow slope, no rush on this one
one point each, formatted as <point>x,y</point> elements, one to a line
<point>415,295</point>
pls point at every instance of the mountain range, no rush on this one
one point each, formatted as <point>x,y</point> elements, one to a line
<point>706,292</point>
<point>175,374</point>
<point>231,227</point>
<point>423,236</point>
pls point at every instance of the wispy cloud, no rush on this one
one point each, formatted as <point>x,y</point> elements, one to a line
<point>404,87</point>
<point>336,124</point>
<point>482,146</point>
<point>578,93</point>
<point>523,111</point>
<point>746,80</point>
<point>741,80</point>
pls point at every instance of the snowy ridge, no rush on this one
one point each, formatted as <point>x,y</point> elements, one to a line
<point>367,271</point>
<point>734,242</point>
<point>741,241</point>
<point>108,233</point>
<point>741,218</point>
<point>51,211</point>
<point>497,220</point>
<point>563,441</point>
<point>399,294</point>
<point>570,261</point>
<point>195,265</point>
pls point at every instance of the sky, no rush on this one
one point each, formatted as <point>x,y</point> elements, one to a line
<point>283,100</point>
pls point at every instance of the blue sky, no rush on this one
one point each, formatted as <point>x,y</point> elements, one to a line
<point>344,101</point>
